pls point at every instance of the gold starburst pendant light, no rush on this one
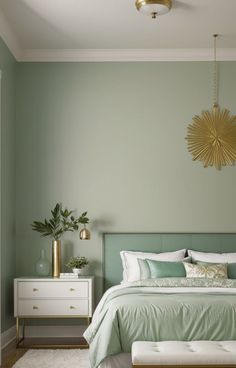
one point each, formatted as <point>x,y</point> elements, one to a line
<point>212,135</point>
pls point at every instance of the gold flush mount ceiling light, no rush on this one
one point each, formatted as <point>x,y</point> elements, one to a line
<point>153,8</point>
<point>212,135</point>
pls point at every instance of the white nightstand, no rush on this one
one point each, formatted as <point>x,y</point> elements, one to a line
<point>52,298</point>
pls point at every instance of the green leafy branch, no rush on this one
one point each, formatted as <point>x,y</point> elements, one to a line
<point>60,222</point>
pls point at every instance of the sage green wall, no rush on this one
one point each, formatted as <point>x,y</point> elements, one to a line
<point>8,260</point>
<point>109,138</point>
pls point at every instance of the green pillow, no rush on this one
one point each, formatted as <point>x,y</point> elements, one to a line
<point>144,269</point>
<point>231,268</point>
<point>159,269</point>
<point>145,272</point>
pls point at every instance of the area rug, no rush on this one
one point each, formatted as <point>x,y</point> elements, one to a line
<point>47,358</point>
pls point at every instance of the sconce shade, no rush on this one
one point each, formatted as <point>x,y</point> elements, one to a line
<point>84,234</point>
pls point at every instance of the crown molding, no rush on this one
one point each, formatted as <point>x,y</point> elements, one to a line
<point>106,55</point>
<point>9,37</point>
<point>133,55</point>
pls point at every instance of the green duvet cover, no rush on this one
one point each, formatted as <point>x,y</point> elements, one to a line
<point>162,309</point>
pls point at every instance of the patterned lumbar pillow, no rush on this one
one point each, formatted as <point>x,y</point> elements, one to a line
<point>217,271</point>
<point>231,268</point>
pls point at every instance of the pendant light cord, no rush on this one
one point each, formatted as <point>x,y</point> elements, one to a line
<point>215,76</point>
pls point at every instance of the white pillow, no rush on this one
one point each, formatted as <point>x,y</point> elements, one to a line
<point>131,271</point>
<point>212,257</point>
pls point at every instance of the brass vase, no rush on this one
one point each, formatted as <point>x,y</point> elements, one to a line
<point>56,258</point>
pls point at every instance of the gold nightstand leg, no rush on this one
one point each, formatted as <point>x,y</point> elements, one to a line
<point>18,337</point>
<point>17,330</point>
<point>23,329</point>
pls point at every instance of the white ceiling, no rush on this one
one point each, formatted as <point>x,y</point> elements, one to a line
<point>114,29</point>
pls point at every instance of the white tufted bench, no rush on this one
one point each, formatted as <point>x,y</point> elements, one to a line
<point>173,354</point>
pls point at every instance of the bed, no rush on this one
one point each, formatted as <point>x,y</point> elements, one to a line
<point>163,308</point>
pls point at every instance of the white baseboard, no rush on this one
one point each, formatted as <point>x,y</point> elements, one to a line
<point>43,331</point>
<point>8,336</point>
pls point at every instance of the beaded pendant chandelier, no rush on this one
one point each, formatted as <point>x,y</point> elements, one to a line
<point>212,135</point>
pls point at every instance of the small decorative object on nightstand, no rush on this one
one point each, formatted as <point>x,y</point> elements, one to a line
<point>52,298</point>
<point>77,264</point>
<point>43,266</point>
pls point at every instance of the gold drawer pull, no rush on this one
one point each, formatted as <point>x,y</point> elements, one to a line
<point>34,289</point>
<point>35,307</point>
<point>71,289</point>
<point>72,307</point>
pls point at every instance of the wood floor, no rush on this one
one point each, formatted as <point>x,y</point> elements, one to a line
<point>10,355</point>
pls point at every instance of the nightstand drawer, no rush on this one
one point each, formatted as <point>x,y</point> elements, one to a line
<point>50,289</point>
<point>39,307</point>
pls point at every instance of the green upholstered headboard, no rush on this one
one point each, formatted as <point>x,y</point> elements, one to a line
<point>113,243</point>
